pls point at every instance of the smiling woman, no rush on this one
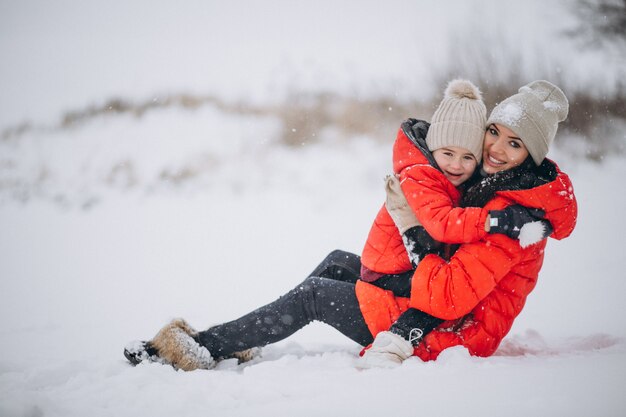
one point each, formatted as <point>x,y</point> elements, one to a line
<point>502,149</point>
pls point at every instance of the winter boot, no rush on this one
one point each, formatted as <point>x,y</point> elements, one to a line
<point>388,350</point>
<point>173,345</point>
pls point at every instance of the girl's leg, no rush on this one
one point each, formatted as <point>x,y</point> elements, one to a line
<point>339,265</point>
<point>323,299</point>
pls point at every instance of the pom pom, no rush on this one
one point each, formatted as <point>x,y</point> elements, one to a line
<point>462,89</point>
<point>532,233</point>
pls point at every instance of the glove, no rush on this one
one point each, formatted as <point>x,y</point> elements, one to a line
<point>512,219</point>
<point>397,206</point>
<point>418,243</point>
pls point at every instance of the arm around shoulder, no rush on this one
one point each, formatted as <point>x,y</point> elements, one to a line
<point>434,200</point>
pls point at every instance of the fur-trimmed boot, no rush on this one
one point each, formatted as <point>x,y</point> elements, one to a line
<point>174,345</point>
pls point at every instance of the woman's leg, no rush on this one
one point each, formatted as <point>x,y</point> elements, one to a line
<point>323,299</point>
<point>339,265</point>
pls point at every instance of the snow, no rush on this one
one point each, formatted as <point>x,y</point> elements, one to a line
<point>113,227</point>
<point>508,113</point>
<point>79,284</point>
<point>552,105</point>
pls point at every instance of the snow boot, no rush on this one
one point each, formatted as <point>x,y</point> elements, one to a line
<point>388,351</point>
<point>143,351</point>
<point>174,345</point>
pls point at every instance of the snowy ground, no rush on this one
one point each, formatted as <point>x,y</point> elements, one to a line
<point>79,282</point>
<point>113,227</point>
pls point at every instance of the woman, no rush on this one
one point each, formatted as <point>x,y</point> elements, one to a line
<point>491,291</point>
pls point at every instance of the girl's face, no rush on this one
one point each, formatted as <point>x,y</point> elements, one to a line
<point>457,164</point>
<point>502,149</point>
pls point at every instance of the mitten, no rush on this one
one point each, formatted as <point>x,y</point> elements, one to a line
<point>511,220</point>
<point>418,243</point>
<point>397,206</point>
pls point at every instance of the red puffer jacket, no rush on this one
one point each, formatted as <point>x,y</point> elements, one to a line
<point>431,196</point>
<point>484,286</point>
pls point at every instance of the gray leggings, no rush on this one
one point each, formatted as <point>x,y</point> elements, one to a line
<point>327,295</point>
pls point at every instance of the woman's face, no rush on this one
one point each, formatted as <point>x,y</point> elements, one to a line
<point>457,164</point>
<point>502,149</point>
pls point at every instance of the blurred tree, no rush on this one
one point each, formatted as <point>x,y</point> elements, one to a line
<point>600,22</point>
<point>600,120</point>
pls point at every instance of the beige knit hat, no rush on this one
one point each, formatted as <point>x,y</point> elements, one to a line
<point>459,120</point>
<point>533,114</point>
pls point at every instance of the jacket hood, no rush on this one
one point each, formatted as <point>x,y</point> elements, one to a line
<point>555,197</point>
<point>410,145</point>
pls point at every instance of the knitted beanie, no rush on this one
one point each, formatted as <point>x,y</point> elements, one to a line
<point>533,114</point>
<point>459,120</point>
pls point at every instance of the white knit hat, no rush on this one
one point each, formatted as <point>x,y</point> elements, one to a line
<point>533,114</point>
<point>459,120</point>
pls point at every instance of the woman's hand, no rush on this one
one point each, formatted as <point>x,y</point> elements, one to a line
<point>511,222</point>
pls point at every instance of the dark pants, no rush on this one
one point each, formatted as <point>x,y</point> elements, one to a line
<point>327,295</point>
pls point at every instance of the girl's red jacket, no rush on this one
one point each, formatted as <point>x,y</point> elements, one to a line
<point>434,200</point>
